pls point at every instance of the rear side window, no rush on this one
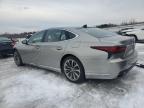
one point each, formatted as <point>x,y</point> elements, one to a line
<point>55,35</point>
<point>69,35</point>
<point>98,33</point>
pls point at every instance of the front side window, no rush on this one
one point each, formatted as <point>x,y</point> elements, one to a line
<point>37,37</point>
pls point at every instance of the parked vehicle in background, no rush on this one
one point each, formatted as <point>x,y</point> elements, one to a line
<point>6,46</point>
<point>28,36</point>
<point>138,34</point>
<point>15,40</point>
<point>79,53</point>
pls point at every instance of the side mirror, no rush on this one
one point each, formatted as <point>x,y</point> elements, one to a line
<point>25,42</point>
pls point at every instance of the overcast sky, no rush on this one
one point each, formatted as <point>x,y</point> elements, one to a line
<point>28,15</point>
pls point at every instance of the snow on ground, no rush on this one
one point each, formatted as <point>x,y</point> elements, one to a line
<point>30,87</point>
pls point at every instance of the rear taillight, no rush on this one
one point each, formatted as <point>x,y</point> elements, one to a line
<point>110,49</point>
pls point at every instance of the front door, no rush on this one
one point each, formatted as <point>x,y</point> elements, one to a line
<point>30,52</point>
<point>52,49</point>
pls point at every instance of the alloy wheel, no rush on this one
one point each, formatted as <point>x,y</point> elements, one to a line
<point>72,69</point>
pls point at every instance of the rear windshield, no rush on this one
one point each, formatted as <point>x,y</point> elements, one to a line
<point>98,33</point>
<point>4,39</point>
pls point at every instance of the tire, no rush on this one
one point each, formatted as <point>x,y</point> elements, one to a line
<point>73,69</point>
<point>17,59</point>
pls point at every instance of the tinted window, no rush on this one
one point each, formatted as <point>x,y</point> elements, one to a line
<point>36,37</point>
<point>69,35</point>
<point>97,32</point>
<point>53,35</point>
<point>63,35</point>
<point>4,39</point>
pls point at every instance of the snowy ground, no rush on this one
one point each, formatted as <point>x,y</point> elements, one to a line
<point>30,87</point>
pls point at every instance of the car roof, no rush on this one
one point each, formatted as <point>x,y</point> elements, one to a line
<point>73,29</point>
<point>64,28</point>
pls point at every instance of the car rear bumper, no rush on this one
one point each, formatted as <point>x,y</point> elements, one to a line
<point>126,70</point>
<point>110,69</point>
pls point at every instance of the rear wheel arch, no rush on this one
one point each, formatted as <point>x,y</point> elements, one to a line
<point>16,50</point>
<point>70,55</point>
<point>81,77</point>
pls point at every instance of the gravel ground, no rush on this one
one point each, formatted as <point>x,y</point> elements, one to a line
<point>30,87</point>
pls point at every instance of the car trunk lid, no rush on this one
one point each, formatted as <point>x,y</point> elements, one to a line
<point>128,42</point>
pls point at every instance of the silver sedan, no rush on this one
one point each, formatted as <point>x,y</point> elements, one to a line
<point>79,53</point>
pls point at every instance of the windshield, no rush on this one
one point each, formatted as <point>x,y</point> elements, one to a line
<point>4,39</point>
<point>98,33</point>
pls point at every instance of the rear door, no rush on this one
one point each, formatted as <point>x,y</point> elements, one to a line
<point>30,52</point>
<point>53,48</point>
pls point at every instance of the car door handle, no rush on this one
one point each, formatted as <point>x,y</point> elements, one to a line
<point>59,48</point>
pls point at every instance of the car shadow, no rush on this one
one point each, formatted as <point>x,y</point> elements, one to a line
<point>5,57</point>
<point>119,86</point>
<point>46,71</point>
<point>140,41</point>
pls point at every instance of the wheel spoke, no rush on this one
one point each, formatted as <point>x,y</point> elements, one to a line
<point>70,75</point>
<point>67,63</point>
<point>70,63</point>
<point>67,67</point>
<point>67,71</point>
<point>76,73</point>
<point>75,76</point>
<point>73,63</point>
<point>76,68</point>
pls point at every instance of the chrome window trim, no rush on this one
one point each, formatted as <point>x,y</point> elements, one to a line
<point>76,35</point>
